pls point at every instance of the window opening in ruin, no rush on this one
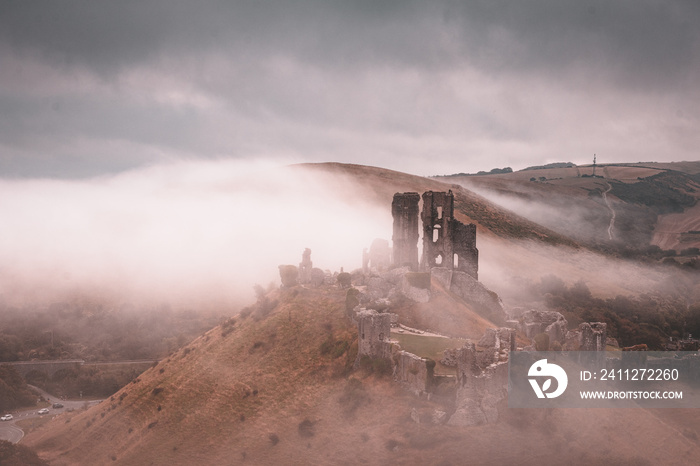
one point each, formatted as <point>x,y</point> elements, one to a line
<point>438,259</point>
<point>363,336</point>
<point>439,209</point>
<point>381,336</point>
<point>456,261</point>
<point>436,233</point>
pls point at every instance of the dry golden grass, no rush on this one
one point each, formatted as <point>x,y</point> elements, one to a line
<point>238,395</point>
<point>241,399</point>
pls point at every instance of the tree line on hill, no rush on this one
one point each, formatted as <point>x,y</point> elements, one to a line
<point>632,320</point>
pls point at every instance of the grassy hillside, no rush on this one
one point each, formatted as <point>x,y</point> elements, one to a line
<point>275,384</point>
<point>381,185</point>
<point>574,203</point>
<point>259,390</point>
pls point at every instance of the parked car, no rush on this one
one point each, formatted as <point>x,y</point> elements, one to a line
<point>43,411</point>
<point>57,405</point>
<point>6,417</point>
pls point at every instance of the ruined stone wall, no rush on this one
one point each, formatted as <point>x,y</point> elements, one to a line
<point>305,267</point>
<point>438,249</point>
<point>413,372</point>
<point>447,242</point>
<point>474,292</point>
<point>373,334</point>
<point>464,241</point>
<point>404,209</point>
<point>552,323</point>
<point>482,384</point>
<point>593,336</point>
<point>378,258</point>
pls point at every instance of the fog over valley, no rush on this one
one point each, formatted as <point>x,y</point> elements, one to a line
<point>182,232</point>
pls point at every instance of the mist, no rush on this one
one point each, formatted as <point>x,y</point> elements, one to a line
<point>581,218</point>
<point>181,233</point>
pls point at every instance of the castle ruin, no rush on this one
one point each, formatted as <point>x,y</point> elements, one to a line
<point>305,267</point>
<point>449,260</point>
<point>404,209</point>
<point>447,242</point>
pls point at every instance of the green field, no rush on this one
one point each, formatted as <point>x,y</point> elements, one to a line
<point>429,347</point>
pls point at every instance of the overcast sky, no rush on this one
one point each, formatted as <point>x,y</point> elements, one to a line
<point>428,87</point>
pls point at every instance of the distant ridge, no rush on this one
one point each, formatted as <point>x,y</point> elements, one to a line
<point>551,165</point>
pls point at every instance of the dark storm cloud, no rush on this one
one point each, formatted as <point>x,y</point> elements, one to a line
<point>642,37</point>
<point>636,38</point>
<point>397,81</point>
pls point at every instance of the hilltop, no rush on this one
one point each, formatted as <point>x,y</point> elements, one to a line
<point>276,384</point>
<point>260,390</point>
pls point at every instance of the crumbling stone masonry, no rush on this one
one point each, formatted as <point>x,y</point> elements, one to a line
<point>373,334</point>
<point>593,336</point>
<point>413,372</point>
<point>590,336</point>
<point>378,258</point>
<point>552,323</point>
<point>482,384</point>
<point>305,267</point>
<point>289,275</point>
<point>447,242</point>
<point>472,291</point>
<point>404,209</point>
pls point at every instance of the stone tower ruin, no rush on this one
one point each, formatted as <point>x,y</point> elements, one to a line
<point>404,209</point>
<point>447,242</point>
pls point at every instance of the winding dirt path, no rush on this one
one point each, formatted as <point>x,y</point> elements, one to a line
<point>612,211</point>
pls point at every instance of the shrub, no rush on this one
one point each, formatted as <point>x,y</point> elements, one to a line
<point>392,445</point>
<point>11,453</point>
<point>306,428</point>
<point>288,275</point>
<point>351,300</point>
<point>541,342</point>
<point>228,326</point>
<point>344,279</point>
<point>274,438</point>
<point>334,348</point>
